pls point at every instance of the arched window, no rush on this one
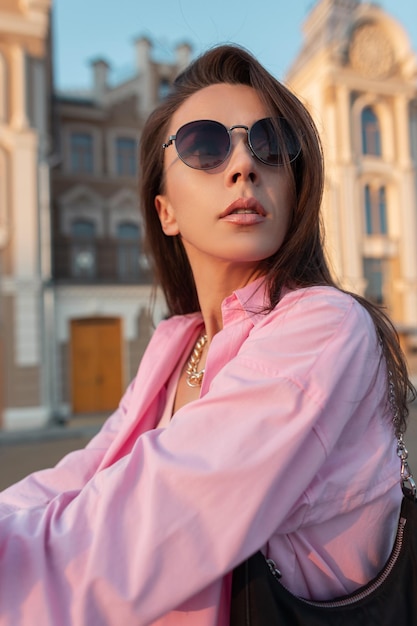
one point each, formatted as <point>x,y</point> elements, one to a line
<point>375,211</point>
<point>371,133</point>
<point>83,229</point>
<point>128,252</point>
<point>83,258</point>
<point>128,231</point>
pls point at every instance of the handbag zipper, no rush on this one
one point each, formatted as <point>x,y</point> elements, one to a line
<point>362,594</point>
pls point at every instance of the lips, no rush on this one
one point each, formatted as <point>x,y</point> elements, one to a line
<point>244,206</point>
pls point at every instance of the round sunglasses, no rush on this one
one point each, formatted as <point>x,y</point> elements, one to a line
<point>205,144</point>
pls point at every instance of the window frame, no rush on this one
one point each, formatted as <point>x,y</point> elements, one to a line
<point>371,138</point>
<point>375,210</point>
<point>127,157</point>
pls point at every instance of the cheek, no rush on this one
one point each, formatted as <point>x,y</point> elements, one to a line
<point>188,199</point>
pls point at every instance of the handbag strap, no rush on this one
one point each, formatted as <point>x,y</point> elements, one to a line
<point>408,485</point>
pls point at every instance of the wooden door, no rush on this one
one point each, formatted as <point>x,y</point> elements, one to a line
<point>96,364</point>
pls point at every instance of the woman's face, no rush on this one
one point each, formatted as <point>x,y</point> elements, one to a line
<point>237,213</point>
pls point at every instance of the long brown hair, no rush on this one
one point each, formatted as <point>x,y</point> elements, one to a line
<point>300,261</point>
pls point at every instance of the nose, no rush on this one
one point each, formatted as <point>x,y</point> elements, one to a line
<point>241,164</point>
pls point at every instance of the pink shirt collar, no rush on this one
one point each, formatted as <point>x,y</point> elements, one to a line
<point>248,302</point>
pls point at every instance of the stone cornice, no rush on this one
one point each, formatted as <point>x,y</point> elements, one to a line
<point>32,22</point>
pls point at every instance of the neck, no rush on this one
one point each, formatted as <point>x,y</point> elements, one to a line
<point>213,286</point>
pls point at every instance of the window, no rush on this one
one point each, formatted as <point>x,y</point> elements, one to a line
<point>371,134</point>
<point>83,229</point>
<point>83,258</point>
<point>81,153</point>
<point>375,211</point>
<point>126,156</point>
<point>128,254</point>
<point>373,270</point>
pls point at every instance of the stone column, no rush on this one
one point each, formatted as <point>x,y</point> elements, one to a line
<point>408,204</point>
<point>350,201</point>
<point>19,120</point>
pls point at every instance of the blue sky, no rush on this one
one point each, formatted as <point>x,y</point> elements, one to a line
<point>271,29</point>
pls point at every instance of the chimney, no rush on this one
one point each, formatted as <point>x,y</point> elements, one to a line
<point>100,73</point>
<point>146,100</point>
<point>183,53</point>
<point>143,54</point>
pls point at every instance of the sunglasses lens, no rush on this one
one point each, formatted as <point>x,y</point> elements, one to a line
<point>273,140</point>
<point>203,144</point>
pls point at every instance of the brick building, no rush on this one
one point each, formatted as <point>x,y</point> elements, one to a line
<point>101,277</point>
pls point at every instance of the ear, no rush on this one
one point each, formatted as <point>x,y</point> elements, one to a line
<point>166,215</point>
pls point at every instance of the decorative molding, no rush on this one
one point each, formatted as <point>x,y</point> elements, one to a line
<point>34,26</point>
<point>81,202</point>
<point>123,207</point>
<point>378,246</point>
<point>371,52</point>
<point>41,6</point>
<point>125,303</point>
<point>122,198</point>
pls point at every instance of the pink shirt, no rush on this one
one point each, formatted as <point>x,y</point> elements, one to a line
<point>289,449</point>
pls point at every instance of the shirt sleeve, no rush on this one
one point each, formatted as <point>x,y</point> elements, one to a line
<point>71,473</point>
<point>190,502</point>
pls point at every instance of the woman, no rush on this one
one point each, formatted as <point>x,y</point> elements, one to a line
<point>260,415</point>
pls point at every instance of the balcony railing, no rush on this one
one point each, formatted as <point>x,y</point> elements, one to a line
<point>99,261</point>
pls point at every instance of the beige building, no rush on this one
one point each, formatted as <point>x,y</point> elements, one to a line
<point>24,210</point>
<point>358,75</point>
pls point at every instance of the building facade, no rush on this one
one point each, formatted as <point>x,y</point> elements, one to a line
<point>75,285</point>
<point>102,282</point>
<point>25,86</point>
<point>358,76</point>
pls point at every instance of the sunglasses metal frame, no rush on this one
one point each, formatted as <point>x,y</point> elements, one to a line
<point>172,138</point>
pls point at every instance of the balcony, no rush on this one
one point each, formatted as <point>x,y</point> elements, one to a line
<point>99,261</point>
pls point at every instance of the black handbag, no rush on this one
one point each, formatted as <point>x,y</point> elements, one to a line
<point>390,599</point>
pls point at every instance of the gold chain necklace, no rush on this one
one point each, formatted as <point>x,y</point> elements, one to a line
<point>195,377</point>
